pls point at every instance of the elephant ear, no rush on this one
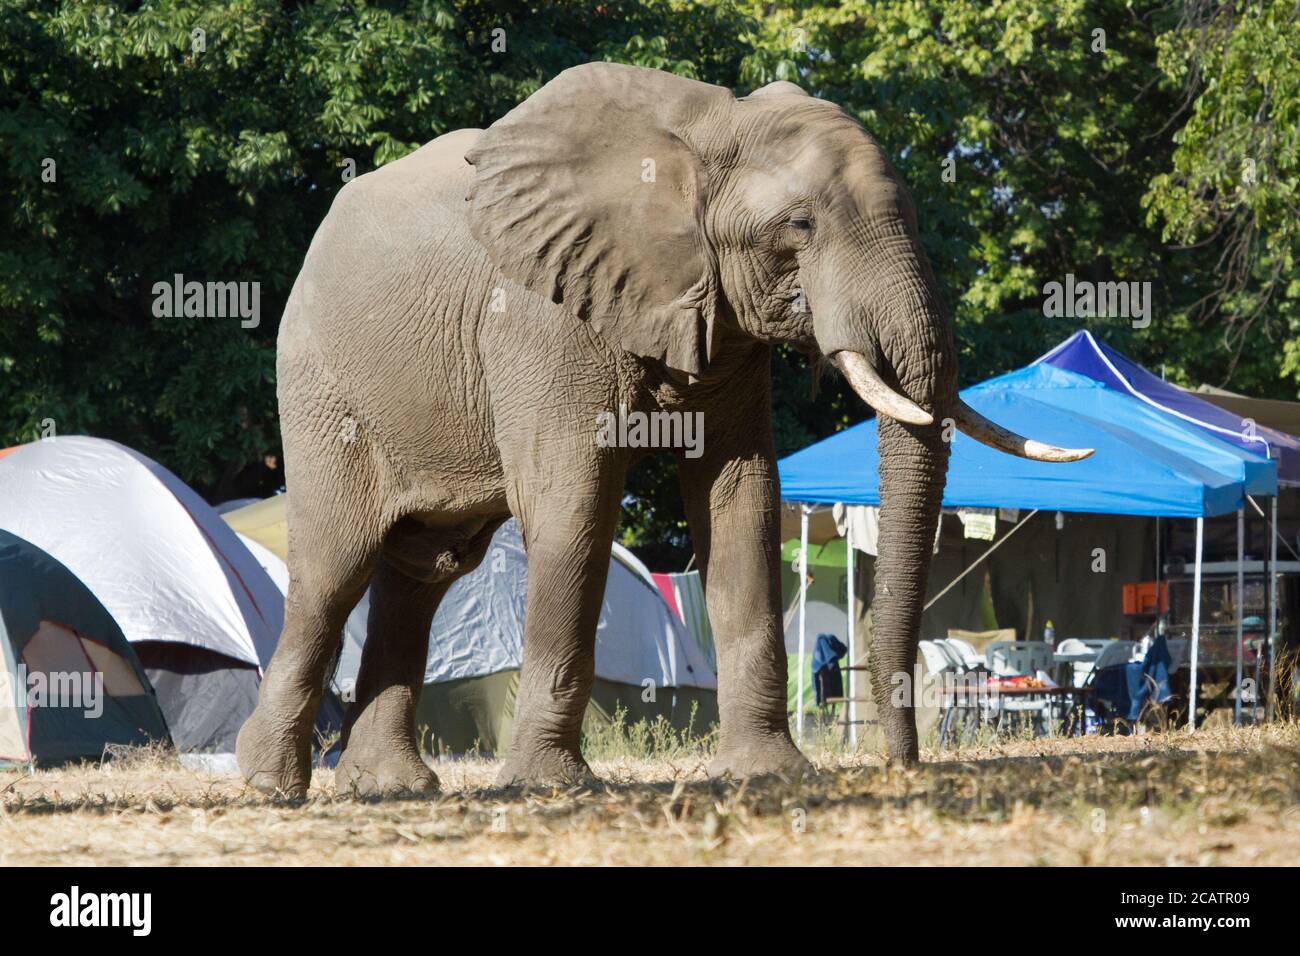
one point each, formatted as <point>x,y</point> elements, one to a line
<point>591,193</point>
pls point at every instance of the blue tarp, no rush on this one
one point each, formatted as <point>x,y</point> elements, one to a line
<point>1082,353</point>
<point>1133,471</point>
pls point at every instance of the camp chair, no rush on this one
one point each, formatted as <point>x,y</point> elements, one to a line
<point>1115,654</point>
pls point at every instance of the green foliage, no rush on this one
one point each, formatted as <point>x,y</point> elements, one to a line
<point>219,162</point>
<point>1234,182</point>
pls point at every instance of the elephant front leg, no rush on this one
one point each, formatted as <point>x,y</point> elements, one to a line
<point>731,496</point>
<point>568,535</point>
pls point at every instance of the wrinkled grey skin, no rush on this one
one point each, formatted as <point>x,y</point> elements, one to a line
<point>465,314</point>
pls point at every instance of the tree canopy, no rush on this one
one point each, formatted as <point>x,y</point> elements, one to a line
<point>1132,140</point>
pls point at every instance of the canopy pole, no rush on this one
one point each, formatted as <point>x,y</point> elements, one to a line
<point>853,614</point>
<point>803,602</point>
<point>1272,611</point>
<point>1196,622</point>
<point>1241,600</point>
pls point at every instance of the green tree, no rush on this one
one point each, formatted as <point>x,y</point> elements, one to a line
<point>1233,184</point>
<point>1103,138</point>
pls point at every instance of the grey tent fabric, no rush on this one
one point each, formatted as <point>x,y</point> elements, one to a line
<point>647,664</point>
<point>479,626</point>
<point>207,696</point>
<point>49,619</point>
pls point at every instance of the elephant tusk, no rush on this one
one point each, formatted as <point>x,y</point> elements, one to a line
<point>981,429</point>
<point>871,388</point>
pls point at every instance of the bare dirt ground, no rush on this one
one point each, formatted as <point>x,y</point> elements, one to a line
<point>1221,797</point>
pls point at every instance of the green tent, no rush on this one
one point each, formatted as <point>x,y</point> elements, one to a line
<point>70,684</point>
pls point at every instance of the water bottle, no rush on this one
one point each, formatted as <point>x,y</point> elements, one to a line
<point>1049,636</point>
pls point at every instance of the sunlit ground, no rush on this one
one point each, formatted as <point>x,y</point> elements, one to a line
<point>1228,796</point>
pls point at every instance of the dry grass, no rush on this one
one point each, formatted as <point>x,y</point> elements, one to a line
<point>1221,797</point>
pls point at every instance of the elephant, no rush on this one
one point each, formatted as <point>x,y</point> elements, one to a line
<point>625,240</point>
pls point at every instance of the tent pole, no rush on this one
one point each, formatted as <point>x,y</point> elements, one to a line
<point>974,564</point>
<point>1272,610</point>
<point>803,602</point>
<point>1241,600</point>
<point>853,613</point>
<point>1196,622</point>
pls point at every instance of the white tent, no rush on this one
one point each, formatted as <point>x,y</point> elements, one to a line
<point>199,611</point>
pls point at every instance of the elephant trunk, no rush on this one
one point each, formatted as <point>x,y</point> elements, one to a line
<point>913,469</point>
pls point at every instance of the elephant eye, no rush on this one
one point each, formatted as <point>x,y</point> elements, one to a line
<point>801,223</point>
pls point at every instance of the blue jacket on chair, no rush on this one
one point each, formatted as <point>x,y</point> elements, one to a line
<point>1125,688</point>
<point>827,679</point>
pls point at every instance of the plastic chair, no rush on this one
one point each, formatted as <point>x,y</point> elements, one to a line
<point>1009,658</point>
<point>941,660</point>
<point>971,660</point>
<point>1079,670</point>
<point>938,659</point>
<point>1115,652</point>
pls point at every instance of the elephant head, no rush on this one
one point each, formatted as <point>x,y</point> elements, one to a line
<point>677,218</point>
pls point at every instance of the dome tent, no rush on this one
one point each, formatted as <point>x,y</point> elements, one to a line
<point>199,612</point>
<point>69,682</point>
<point>476,646</point>
<point>476,649</point>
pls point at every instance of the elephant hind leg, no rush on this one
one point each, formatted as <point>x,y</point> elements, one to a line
<point>330,563</point>
<point>381,756</point>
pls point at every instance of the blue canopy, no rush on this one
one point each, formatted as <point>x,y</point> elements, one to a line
<point>1133,471</point>
<point>1062,389</point>
<point>1083,354</point>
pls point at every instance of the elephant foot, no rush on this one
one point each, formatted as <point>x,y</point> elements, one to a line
<point>545,768</point>
<point>776,756</point>
<point>395,773</point>
<point>272,758</point>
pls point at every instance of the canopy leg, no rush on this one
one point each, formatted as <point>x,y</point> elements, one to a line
<point>853,678</point>
<point>803,601</point>
<point>1196,623</point>
<point>1272,612</point>
<point>1241,600</point>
